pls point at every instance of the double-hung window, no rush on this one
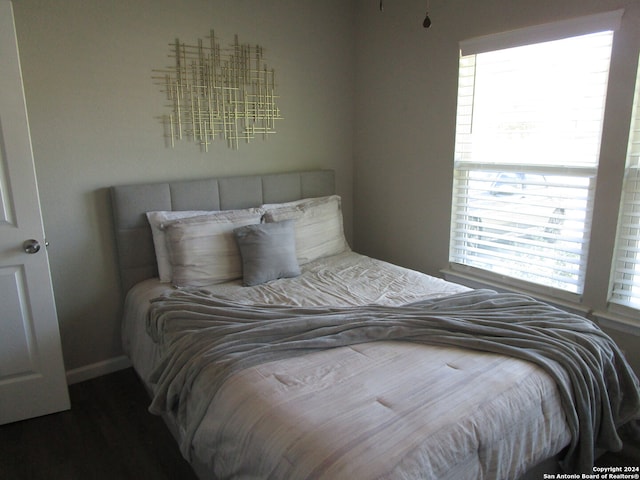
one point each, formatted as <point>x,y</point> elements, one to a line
<point>529,122</point>
<point>625,289</point>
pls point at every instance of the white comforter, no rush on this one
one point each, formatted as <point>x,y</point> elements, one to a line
<point>376,410</point>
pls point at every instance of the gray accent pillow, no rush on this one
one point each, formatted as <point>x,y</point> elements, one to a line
<point>268,251</point>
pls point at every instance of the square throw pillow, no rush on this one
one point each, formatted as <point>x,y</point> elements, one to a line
<point>318,226</point>
<point>268,252</point>
<point>203,251</point>
<point>156,220</point>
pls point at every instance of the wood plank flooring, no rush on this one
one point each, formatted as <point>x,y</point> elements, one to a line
<point>107,434</point>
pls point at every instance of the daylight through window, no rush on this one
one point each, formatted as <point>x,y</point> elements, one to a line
<point>528,131</point>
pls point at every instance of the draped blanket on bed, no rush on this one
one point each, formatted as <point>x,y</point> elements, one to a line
<point>201,333</point>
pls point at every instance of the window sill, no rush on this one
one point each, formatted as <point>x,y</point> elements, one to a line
<point>610,320</point>
<point>617,322</point>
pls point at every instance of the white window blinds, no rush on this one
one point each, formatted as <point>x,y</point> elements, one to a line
<point>528,131</point>
<point>626,275</point>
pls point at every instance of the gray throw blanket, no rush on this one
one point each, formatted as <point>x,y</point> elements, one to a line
<point>198,332</point>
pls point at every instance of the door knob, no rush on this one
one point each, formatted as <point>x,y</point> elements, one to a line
<point>31,246</point>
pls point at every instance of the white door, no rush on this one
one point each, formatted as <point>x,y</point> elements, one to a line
<point>32,375</point>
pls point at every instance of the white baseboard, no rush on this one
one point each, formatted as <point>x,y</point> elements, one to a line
<point>98,369</point>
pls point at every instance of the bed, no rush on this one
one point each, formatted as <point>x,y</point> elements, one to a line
<point>272,350</point>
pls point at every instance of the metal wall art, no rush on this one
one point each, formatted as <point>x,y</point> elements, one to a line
<point>218,92</point>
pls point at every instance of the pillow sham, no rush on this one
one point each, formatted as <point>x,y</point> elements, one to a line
<point>156,220</point>
<point>318,226</point>
<point>203,251</point>
<point>268,252</point>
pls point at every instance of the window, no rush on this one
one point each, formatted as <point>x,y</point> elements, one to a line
<point>528,131</point>
<point>625,288</point>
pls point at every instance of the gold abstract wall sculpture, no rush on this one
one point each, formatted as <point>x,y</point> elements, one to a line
<point>218,92</point>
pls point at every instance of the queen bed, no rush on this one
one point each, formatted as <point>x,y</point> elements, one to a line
<point>272,350</point>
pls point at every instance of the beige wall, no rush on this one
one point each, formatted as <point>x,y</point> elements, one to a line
<point>370,94</point>
<point>87,67</point>
<point>406,80</point>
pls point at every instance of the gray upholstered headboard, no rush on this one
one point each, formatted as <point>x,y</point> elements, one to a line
<point>136,256</point>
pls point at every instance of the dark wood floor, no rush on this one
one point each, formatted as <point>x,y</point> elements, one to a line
<point>107,434</point>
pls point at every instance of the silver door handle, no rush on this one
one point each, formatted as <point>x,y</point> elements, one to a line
<point>31,246</point>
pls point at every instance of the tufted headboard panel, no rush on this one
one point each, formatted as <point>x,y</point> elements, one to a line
<point>136,255</point>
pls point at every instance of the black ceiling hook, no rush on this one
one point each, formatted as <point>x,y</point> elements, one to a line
<point>426,23</point>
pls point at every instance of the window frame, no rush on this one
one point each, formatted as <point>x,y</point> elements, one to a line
<point>536,34</point>
<point>629,196</point>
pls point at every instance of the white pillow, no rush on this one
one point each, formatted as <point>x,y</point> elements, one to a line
<point>203,250</point>
<point>156,220</point>
<point>318,226</point>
